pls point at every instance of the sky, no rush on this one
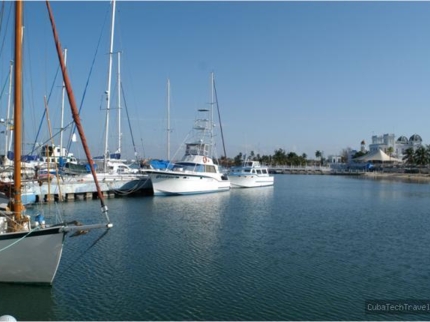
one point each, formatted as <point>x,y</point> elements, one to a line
<point>298,76</point>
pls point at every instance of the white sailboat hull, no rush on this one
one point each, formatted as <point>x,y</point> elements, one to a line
<point>250,181</point>
<point>32,258</point>
<point>166,183</point>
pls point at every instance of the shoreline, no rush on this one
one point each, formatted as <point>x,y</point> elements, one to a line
<point>406,177</point>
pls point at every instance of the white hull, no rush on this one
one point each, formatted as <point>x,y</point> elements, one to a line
<point>250,175</point>
<point>32,258</point>
<point>166,183</point>
<point>250,181</point>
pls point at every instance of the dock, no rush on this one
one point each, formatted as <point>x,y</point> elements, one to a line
<point>70,188</point>
<point>286,169</point>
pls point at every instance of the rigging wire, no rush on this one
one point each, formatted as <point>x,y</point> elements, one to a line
<point>128,119</point>
<point>88,79</point>
<point>43,115</point>
<point>220,123</point>
<point>1,24</point>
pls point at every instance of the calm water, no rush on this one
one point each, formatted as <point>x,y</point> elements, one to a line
<point>309,248</point>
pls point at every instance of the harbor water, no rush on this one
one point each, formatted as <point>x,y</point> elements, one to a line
<point>308,248</point>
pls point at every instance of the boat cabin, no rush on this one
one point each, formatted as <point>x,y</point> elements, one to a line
<point>53,154</point>
<point>251,167</point>
<point>194,167</point>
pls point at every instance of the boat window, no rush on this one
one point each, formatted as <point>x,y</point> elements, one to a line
<point>121,169</point>
<point>258,171</point>
<point>253,171</point>
<point>247,170</point>
<point>210,168</point>
<point>188,167</point>
<point>264,171</point>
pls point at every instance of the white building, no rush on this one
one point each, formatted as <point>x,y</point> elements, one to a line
<point>382,142</point>
<point>399,146</point>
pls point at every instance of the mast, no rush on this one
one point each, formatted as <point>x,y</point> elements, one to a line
<point>75,112</point>
<point>168,119</point>
<point>119,103</point>
<point>212,115</point>
<point>62,108</point>
<point>108,88</point>
<point>219,118</point>
<point>8,118</point>
<point>17,206</point>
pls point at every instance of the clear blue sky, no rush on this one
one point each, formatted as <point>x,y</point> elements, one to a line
<point>301,76</point>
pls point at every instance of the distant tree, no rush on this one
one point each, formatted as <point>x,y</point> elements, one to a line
<point>359,154</point>
<point>318,155</point>
<point>344,155</point>
<point>390,151</point>
<point>304,156</point>
<point>238,159</point>
<point>422,156</point>
<point>279,157</point>
<point>409,156</point>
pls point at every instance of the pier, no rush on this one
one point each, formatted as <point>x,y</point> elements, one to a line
<point>73,189</point>
<point>289,169</point>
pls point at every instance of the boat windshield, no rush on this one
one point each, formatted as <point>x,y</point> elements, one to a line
<point>193,167</point>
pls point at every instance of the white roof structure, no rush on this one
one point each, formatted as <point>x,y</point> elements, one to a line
<point>377,156</point>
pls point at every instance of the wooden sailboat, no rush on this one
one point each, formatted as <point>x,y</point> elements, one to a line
<point>30,250</point>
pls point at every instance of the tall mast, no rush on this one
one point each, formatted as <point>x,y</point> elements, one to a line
<point>212,115</point>
<point>168,119</point>
<point>18,207</point>
<point>62,108</point>
<point>8,117</point>
<point>108,88</point>
<point>75,112</point>
<point>119,103</point>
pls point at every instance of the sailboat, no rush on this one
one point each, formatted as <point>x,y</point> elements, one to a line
<point>30,249</point>
<point>195,173</point>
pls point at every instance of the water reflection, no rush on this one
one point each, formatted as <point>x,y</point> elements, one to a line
<point>26,302</point>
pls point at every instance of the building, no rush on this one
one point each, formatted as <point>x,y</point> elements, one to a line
<point>399,146</point>
<point>382,142</point>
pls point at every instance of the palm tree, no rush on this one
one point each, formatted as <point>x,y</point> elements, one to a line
<point>318,154</point>
<point>422,156</point>
<point>390,151</point>
<point>280,156</point>
<point>409,156</point>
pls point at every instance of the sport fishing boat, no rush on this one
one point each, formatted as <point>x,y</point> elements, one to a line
<point>251,174</point>
<point>196,172</point>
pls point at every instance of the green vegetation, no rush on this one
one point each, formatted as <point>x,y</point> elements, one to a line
<point>280,157</point>
<point>420,156</point>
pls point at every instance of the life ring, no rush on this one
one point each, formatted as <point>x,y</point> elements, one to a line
<point>205,159</point>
